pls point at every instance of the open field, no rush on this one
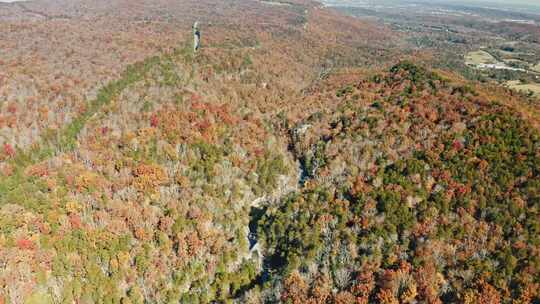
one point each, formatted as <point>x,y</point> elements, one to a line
<point>530,87</point>
<point>479,57</point>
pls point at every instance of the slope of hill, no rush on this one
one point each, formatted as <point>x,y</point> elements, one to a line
<point>416,188</point>
<point>293,159</point>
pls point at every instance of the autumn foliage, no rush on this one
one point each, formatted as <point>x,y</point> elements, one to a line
<point>293,159</point>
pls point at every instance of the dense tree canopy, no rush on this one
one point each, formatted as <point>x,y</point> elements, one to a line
<point>287,161</point>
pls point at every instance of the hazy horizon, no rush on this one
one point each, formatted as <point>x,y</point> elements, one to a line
<point>504,2</point>
<point>521,6</point>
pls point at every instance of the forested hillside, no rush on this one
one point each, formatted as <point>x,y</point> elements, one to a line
<point>301,156</point>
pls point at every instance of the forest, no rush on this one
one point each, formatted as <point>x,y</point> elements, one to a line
<point>299,156</point>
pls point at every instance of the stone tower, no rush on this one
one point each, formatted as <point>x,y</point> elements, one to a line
<point>196,37</point>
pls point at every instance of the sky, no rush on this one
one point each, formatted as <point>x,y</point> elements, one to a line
<point>484,2</point>
<point>487,2</point>
<point>524,6</point>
